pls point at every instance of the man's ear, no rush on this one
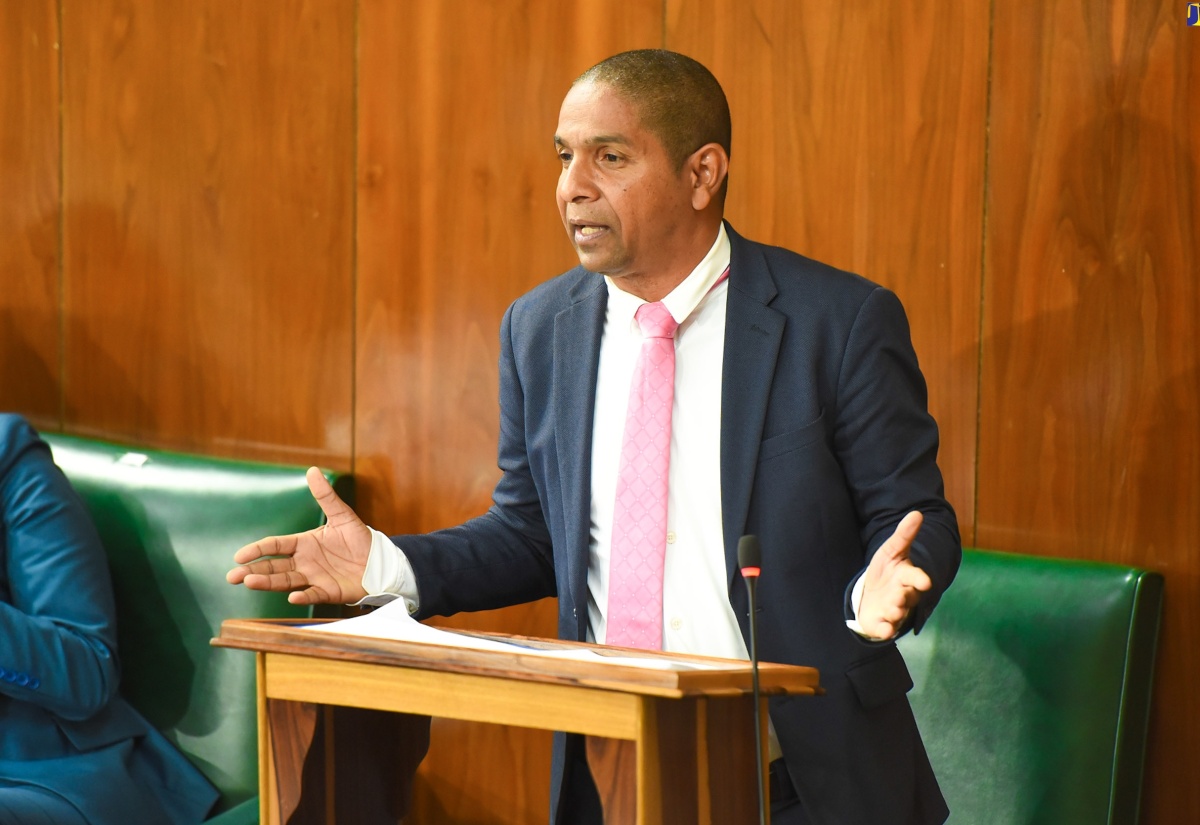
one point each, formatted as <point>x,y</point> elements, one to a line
<point>707,169</point>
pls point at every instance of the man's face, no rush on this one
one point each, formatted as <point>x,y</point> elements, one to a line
<point>627,209</point>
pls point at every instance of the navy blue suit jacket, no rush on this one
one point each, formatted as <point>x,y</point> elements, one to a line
<point>826,443</point>
<point>63,726</point>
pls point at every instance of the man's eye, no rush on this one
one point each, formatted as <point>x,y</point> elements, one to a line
<point>609,157</point>
<point>565,157</point>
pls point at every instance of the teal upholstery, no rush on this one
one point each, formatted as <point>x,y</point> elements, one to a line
<point>1032,686</point>
<point>170,524</point>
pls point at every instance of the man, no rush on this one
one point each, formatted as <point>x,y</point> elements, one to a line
<point>797,413</point>
<point>72,751</point>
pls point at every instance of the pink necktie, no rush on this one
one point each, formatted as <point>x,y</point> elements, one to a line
<point>639,542</point>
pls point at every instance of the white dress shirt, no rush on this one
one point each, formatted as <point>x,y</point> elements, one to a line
<point>697,616</point>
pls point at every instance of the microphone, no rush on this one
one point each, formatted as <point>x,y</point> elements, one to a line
<point>750,562</point>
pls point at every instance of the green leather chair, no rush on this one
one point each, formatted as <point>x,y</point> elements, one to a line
<point>170,523</point>
<point>1032,685</point>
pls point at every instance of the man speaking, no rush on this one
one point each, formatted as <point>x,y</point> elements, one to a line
<point>679,389</point>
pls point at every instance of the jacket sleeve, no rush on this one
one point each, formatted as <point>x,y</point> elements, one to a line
<point>57,616</point>
<point>887,444</point>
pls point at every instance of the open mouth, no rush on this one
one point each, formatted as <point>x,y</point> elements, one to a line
<point>587,232</point>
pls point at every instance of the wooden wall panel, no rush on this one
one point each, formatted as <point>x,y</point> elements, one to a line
<point>268,250</point>
<point>29,211</point>
<point>1090,404</point>
<point>457,109</point>
<point>858,139</point>
<point>208,162</point>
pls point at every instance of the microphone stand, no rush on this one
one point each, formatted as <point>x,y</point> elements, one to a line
<point>750,562</point>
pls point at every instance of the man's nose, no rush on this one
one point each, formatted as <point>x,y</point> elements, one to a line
<point>575,184</point>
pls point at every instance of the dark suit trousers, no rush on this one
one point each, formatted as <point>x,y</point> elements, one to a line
<point>581,802</point>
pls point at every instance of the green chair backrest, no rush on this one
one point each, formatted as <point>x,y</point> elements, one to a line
<point>1032,686</point>
<point>170,524</point>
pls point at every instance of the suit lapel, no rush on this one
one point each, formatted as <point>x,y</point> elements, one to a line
<point>577,333</point>
<point>753,332</point>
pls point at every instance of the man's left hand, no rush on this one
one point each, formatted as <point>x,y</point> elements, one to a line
<point>892,585</point>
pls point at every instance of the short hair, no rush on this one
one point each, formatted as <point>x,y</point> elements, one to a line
<point>677,98</point>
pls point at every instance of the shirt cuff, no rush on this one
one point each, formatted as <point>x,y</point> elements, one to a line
<point>388,575</point>
<point>855,603</point>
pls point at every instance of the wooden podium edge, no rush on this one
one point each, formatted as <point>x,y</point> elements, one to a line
<point>294,636</point>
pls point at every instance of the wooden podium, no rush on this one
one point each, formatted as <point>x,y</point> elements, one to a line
<point>344,721</point>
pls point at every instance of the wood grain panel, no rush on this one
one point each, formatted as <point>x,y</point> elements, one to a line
<point>1090,403</point>
<point>858,139</point>
<point>29,212</point>
<point>208,227</point>
<point>457,108</point>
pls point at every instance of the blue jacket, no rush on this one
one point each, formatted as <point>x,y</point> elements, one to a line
<point>63,724</point>
<point>826,443</point>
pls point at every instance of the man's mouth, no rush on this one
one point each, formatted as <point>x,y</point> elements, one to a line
<point>584,232</point>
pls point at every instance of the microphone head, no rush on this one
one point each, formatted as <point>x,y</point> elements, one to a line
<point>749,555</point>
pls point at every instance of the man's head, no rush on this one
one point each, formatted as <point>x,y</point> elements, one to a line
<point>644,142</point>
<point>678,99</point>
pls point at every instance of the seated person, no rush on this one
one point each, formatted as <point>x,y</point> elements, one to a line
<point>72,751</point>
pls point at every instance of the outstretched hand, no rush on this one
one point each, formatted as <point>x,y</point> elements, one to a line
<point>325,564</point>
<point>892,585</point>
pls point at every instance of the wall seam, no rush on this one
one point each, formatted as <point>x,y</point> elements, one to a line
<point>354,239</point>
<point>62,225</point>
<point>983,270</point>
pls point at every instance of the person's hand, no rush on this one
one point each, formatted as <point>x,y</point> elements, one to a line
<point>325,564</point>
<point>892,585</point>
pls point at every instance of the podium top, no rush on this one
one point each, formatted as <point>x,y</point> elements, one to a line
<point>694,675</point>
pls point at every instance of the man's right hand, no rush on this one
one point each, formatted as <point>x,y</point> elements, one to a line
<point>325,564</point>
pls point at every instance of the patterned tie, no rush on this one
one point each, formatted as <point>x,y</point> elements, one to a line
<point>639,541</point>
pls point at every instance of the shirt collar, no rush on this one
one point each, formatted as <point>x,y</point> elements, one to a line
<point>681,301</point>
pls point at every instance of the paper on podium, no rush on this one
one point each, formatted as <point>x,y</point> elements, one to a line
<point>392,621</point>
